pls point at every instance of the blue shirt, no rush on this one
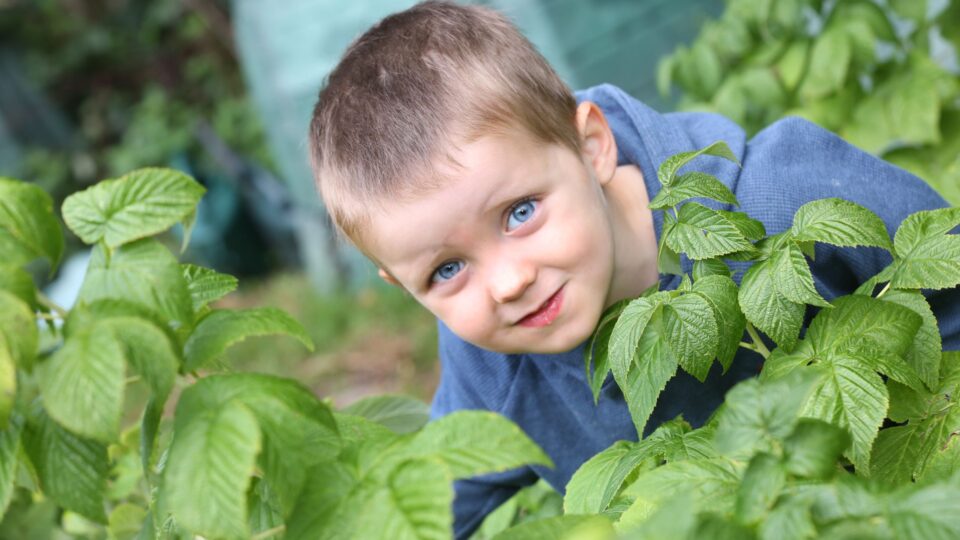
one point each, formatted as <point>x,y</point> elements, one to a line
<point>784,166</point>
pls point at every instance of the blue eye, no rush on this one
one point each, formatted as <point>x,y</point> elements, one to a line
<point>520,213</point>
<point>446,271</point>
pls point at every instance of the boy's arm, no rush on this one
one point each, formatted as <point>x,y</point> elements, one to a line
<point>472,378</point>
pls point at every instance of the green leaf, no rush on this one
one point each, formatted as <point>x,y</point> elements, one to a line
<point>28,226</point>
<point>144,273</point>
<point>295,430</point>
<point>721,293</point>
<point>147,350</point>
<point>693,185</point>
<point>219,330</point>
<point>627,331</point>
<point>829,62</point>
<point>9,448</point>
<point>840,223</point>
<point>567,527</point>
<point>471,443</point>
<point>792,64</point>
<point>763,481</point>
<point>72,470</point>
<point>901,453</point>
<point>594,485</point>
<point>713,483</point>
<point>767,308</point>
<point>926,256</point>
<point>748,227</point>
<point>653,364</point>
<point>211,459</point>
<point>8,384</point>
<point>813,448</point>
<point>710,267</point>
<point>793,278</point>
<point>415,504</point>
<point>788,520</point>
<point>929,513</point>
<point>690,329</point>
<point>668,169</point>
<point>675,517</point>
<point>206,285</point>
<point>137,205</point>
<point>19,328</point>
<point>596,351</point>
<point>19,283</point>
<point>758,415</point>
<point>402,414</point>
<point>125,521</point>
<point>83,383</point>
<point>924,352</point>
<point>853,398</point>
<point>668,260</point>
<point>703,233</point>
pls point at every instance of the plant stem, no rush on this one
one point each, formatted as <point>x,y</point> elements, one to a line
<point>269,532</point>
<point>884,290</point>
<point>748,346</point>
<point>46,301</point>
<point>758,344</point>
<point>48,317</point>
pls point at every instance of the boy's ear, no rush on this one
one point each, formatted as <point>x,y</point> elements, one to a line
<point>597,143</point>
<point>387,277</point>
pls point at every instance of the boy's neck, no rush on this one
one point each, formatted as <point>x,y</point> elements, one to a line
<point>635,242</point>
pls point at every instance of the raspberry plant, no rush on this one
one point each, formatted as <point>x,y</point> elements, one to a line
<point>245,455</point>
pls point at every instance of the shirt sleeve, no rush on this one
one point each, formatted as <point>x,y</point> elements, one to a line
<point>474,379</point>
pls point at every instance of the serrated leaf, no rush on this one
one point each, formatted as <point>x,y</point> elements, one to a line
<point>924,352</point>
<point>840,223</point>
<point>415,504</point>
<point>9,448</point>
<point>402,414</point>
<point>710,267</point>
<point>763,481</point>
<point>690,186</point>
<point>703,233</point>
<point>471,443</point>
<point>926,256</point>
<point>901,453</point>
<point>147,350</point>
<point>668,260</point>
<point>567,527</point>
<point>144,273</point>
<point>655,364</point>
<point>72,470</point>
<point>854,399</point>
<point>296,430</point>
<point>137,205</point>
<point>627,331</point>
<point>758,415</point>
<point>813,448</point>
<point>929,513</point>
<point>19,328</point>
<point>750,228</point>
<point>594,485</point>
<point>219,330</point>
<point>211,459</point>
<point>721,293</point>
<point>691,331</point>
<point>83,383</point>
<point>713,483</point>
<point>668,169</point>
<point>793,278</point>
<point>322,510</point>
<point>28,226</point>
<point>769,310</point>
<point>206,285</point>
<point>596,353</point>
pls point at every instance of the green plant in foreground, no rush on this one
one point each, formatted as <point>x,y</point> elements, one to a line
<point>246,455</point>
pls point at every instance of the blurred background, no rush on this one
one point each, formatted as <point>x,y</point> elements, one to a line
<point>223,90</point>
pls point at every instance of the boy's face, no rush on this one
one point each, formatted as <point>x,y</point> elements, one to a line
<point>515,253</point>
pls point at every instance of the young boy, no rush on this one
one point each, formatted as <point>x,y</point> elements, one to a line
<point>448,151</point>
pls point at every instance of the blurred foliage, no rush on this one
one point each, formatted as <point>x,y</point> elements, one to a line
<point>883,74</point>
<point>134,80</point>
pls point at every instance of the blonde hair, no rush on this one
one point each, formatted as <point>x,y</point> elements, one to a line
<point>417,80</point>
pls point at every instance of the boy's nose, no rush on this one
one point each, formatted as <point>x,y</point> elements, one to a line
<point>510,279</point>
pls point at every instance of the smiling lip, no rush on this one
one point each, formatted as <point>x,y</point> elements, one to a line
<point>546,313</point>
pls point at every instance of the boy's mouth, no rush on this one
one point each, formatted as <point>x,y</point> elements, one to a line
<point>546,313</point>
